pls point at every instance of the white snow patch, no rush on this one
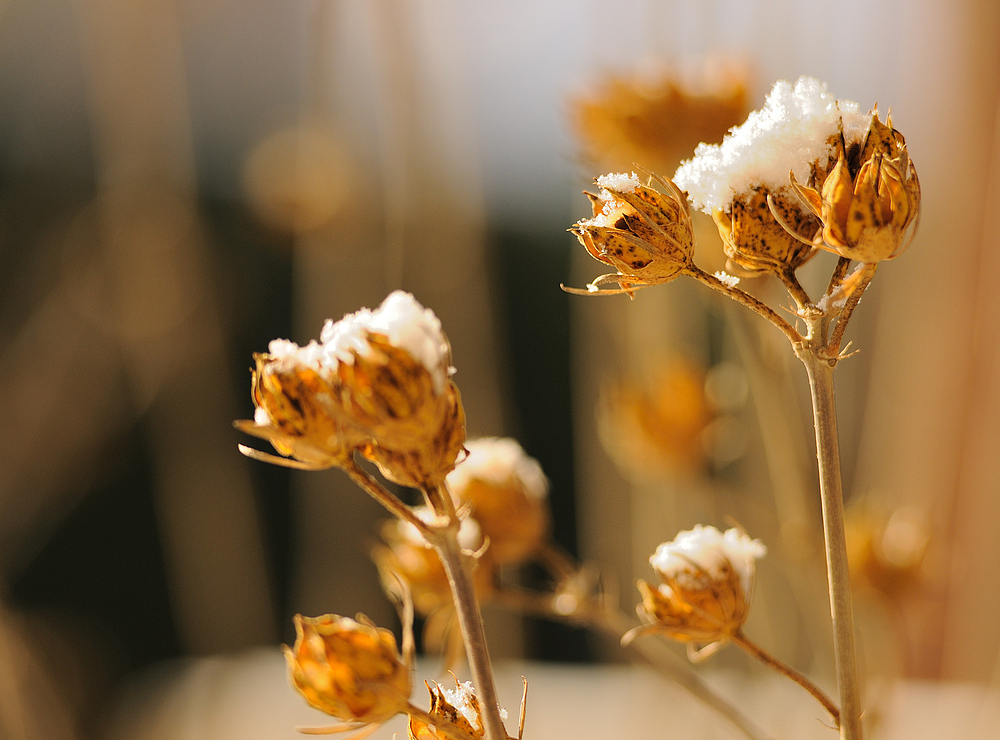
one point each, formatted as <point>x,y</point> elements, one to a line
<point>790,132</point>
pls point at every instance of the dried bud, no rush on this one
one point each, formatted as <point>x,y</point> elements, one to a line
<point>391,377</point>
<point>797,129</point>
<point>407,555</point>
<point>867,210</point>
<point>643,233</point>
<point>506,491</point>
<point>424,465</point>
<point>348,669</point>
<point>755,241</point>
<point>296,410</point>
<point>454,709</point>
<point>707,579</point>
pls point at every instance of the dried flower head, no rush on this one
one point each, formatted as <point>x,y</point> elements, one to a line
<point>866,209</point>
<point>378,381</point>
<point>406,555</point>
<point>457,712</point>
<point>348,669</point>
<point>391,373</point>
<point>706,583</point>
<point>645,234</point>
<point>506,492</point>
<point>656,428</point>
<point>887,550</point>
<point>797,130</point>
<point>296,410</point>
<point>657,118</point>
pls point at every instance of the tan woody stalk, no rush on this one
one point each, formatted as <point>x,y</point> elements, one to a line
<point>820,372</point>
<point>445,541</point>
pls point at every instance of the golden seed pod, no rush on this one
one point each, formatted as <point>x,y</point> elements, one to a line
<point>298,414</point>
<point>457,715</point>
<point>506,492</point>
<point>707,609</point>
<point>645,234</point>
<point>390,394</point>
<point>407,556</point>
<point>348,669</point>
<point>756,242</point>
<point>867,210</point>
<point>418,456</point>
<point>516,524</point>
<point>706,582</point>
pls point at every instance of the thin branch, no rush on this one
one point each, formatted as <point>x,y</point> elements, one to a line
<point>747,300</point>
<point>833,346</point>
<point>378,492</point>
<point>763,656</point>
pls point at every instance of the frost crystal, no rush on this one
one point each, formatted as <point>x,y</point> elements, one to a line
<point>790,132</point>
<point>709,549</point>
<point>495,460</point>
<point>730,281</point>
<point>405,323</point>
<point>619,181</point>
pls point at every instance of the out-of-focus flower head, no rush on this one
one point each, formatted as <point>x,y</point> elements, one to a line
<point>657,118</point>
<point>295,408</point>
<point>797,130</point>
<point>406,555</point>
<point>656,428</point>
<point>506,491</point>
<point>455,709</point>
<point>869,200</point>
<point>706,584</point>
<point>645,234</point>
<point>887,551</point>
<point>410,568</point>
<point>348,669</point>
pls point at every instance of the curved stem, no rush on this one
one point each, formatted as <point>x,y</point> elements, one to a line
<point>769,660</point>
<point>820,372</point>
<point>747,300</point>
<point>795,288</point>
<point>837,336</point>
<point>378,492</point>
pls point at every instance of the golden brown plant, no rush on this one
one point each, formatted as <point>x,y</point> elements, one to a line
<point>645,234</point>
<point>454,709</point>
<point>654,121</point>
<point>348,669</point>
<point>296,411</point>
<point>706,583</point>
<point>656,428</point>
<point>866,210</point>
<point>506,492</point>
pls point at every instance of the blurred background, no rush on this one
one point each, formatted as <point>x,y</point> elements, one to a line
<point>181,182</point>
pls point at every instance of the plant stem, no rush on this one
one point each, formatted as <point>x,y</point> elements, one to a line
<point>765,657</point>
<point>820,372</point>
<point>741,296</point>
<point>378,492</point>
<point>471,622</point>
